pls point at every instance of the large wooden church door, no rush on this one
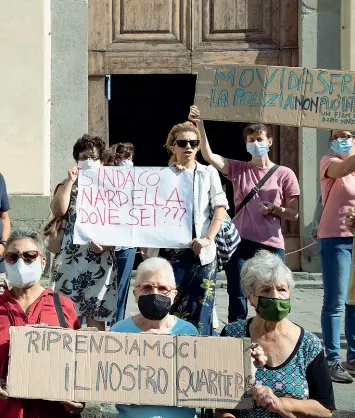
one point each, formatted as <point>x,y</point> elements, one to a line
<point>177,36</point>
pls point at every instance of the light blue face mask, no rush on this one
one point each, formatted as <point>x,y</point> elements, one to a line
<point>258,149</point>
<point>126,163</point>
<point>342,146</point>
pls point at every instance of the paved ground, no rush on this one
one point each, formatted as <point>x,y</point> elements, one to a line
<point>306,306</point>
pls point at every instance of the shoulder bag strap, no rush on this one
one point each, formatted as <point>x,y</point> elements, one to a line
<point>255,189</point>
<point>59,309</point>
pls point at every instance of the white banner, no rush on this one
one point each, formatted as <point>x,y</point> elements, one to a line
<point>136,207</point>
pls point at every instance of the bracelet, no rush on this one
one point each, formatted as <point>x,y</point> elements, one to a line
<point>2,242</point>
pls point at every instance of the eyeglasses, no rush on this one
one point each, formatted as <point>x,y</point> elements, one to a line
<point>87,157</point>
<point>27,257</point>
<point>147,288</point>
<point>182,143</point>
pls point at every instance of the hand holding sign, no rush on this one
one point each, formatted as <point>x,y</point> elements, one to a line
<point>73,174</point>
<point>194,114</point>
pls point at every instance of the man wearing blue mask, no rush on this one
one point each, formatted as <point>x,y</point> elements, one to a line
<point>337,178</point>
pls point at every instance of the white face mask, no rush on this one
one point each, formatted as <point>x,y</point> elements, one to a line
<point>23,275</point>
<point>126,163</point>
<point>89,163</point>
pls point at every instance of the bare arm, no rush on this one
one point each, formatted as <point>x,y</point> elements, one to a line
<point>61,199</point>
<point>289,210</point>
<point>215,226</point>
<point>219,162</point>
<point>288,407</point>
<point>5,219</point>
<point>294,408</point>
<point>341,168</point>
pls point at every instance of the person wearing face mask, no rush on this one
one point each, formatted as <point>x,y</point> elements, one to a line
<point>84,273</point>
<point>258,220</point>
<point>294,381</point>
<point>28,303</point>
<point>121,155</point>
<point>335,242</point>
<point>154,292</point>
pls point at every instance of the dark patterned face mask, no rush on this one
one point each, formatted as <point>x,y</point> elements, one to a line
<point>154,307</point>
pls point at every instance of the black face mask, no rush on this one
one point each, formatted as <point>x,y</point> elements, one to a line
<point>154,307</point>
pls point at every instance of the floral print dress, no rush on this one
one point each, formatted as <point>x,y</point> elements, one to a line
<point>88,279</point>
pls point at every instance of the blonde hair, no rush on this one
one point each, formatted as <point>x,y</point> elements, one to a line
<point>175,130</point>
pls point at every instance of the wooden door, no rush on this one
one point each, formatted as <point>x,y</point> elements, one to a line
<point>177,36</point>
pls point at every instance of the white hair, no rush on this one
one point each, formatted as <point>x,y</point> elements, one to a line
<point>154,265</point>
<point>265,266</point>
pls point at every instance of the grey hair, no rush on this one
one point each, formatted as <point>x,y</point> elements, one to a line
<point>23,233</point>
<point>153,265</point>
<point>264,266</point>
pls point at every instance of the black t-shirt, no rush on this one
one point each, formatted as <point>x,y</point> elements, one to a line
<point>4,207</point>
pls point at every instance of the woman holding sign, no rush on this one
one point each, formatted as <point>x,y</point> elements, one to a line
<point>195,268</point>
<point>264,194</point>
<point>294,381</point>
<point>84,273</point>
<point>337,171</point>
<point>28,303</point>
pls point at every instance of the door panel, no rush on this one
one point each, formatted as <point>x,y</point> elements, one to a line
<point>234,25</point>
<point>178,36</point>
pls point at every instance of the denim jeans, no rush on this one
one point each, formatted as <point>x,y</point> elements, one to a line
<point>335,256</point>
<point>238,305</point>
<point>125,261</point>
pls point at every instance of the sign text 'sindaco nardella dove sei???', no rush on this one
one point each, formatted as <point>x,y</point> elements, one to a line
<point>140,369</point>
<point>134,207</point>
<point>277,95</point>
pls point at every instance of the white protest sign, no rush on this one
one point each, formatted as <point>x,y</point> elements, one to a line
<point>136,207</point>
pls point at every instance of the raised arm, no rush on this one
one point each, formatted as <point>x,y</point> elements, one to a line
<point>61,198</point>
<point>341,168</point>
<point>216,160</point>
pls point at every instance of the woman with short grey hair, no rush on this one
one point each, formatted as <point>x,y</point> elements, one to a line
<point>295,380</point>
<point>29,303</point>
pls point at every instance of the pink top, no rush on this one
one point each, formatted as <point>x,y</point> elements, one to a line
<point>338,196</point>
<point>250,222</point>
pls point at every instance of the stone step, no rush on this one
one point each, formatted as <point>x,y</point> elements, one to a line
<point>109,411</point>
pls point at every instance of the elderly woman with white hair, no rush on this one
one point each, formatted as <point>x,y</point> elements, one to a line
<point>295,380</point>
<point>155,291</point>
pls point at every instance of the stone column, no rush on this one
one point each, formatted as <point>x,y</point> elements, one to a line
<point>69,82</point>
<point>348,35</point>
<point>319,47</point>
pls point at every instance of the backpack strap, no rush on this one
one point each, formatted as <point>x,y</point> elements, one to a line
<point>256,189</point>
<point>59,309</point>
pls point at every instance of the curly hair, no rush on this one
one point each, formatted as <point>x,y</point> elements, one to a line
<point>117,153</point>
<point>175,130</point>
<point>86,143</point>
<point>253,128</point>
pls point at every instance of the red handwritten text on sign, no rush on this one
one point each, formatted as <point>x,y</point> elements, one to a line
<point>134,207</point>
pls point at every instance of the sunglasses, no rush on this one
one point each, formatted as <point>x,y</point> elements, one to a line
<point>87,157</point>
<point>147,289</point>
<point>27,257</point>
<point>182,143</point>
